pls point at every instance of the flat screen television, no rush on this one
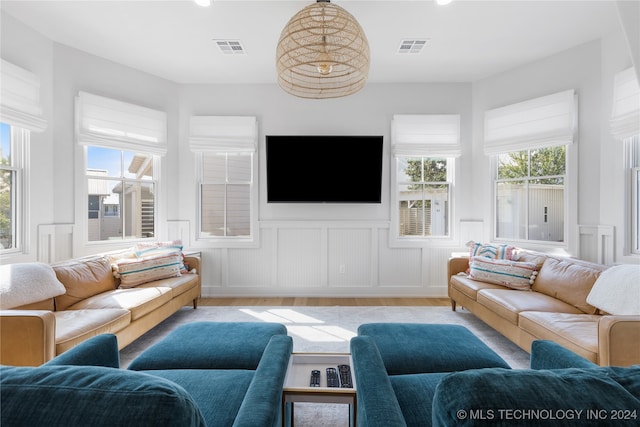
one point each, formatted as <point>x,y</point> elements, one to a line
<point>324,169</point>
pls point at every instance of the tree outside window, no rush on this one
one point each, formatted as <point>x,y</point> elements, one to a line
<point>423,196</point>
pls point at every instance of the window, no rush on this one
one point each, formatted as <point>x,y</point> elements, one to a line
<point>225,194</point>
<point>424,191</point>
<point>227,198</point>
<point>425,148</point>
<point>13,144</point>
<point>530,197</point>
<point>530,145</point>
<point>120,181</point>
<point>633,144</point>
<point>122,145</point>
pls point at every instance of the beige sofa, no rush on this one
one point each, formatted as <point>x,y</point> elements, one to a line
<point>92,302</point>
<point>555,308</point>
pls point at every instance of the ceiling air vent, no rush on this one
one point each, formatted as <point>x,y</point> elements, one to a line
<point>412,45</point>
<point>230,47</point>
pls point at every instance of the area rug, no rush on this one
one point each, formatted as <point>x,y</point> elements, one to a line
<point>328,329</point>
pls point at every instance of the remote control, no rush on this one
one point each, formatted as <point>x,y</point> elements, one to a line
<point>332,378</point>
<point>345,376</point>
<point>315,378</point>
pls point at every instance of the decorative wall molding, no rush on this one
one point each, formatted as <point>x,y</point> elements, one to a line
<point>55,242</point>
<point>596,243</point>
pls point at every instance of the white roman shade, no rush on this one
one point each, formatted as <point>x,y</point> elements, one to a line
<point>20,98</point>
<point>542,122</point>
<point>433,135</point>
<point>625,117</point>
<point>115,124</point>
<point>223,134</point>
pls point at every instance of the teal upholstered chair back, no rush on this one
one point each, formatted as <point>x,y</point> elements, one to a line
<point>61,394</point>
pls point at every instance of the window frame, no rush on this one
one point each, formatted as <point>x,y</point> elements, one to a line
<point>253,239</point>
<point>398,241</point>
<point>632,148</point>
<point>83,189</point>
<point>19,138</point>
<point>570,204</point>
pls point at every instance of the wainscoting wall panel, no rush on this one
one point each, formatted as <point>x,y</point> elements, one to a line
<point>300,258</point>
<point>349,255</point>
<point>252,267</point>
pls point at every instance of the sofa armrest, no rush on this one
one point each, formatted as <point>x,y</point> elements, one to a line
<point>101,350</point>
<point>377,403</point>
<point>618,338</point>
<point>550,355</point>
<point>457,265</point>
<point>262,403</point>
<point>194,262</point>
<point>27,337</point>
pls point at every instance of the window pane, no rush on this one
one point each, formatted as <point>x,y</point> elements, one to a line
<point>5,144</point>
<point>548,161</point>
<point>511,210</point>
<point>104,162</point>
<point>212,204</point>
<point>513,165</point>
<point>214,167</point>
<point>138,166</point>
<point>238,210</point>
<point>434,170</point>
<point>409,169</point>
<point>102,192</point>
<point>546,210</point>
<point>239,167</point>
<point>7,222</point>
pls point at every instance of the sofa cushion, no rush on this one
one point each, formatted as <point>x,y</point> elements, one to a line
<point>413,348</point>
<point>470,287</point>
<point>545,398</point>
<point>75,326</point>
<point>413,393</point>
<point>617,290</point>
<point>92,396</point>
<point>508,303</point>
<point>27,283</point>
<point>139,301</point>
<point>178,285</point>
<point>512,274</point>
<point>83,278</point>
<point>577,332</point>
<point>569,281</point>
<point>218,393</point>
<point>210,345</point>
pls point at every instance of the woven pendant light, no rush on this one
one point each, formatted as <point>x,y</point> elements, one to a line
<point>322,53</point>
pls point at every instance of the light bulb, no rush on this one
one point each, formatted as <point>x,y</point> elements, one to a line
<point>325,66</point>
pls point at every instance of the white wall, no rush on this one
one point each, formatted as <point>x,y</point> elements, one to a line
<point>315,250</point>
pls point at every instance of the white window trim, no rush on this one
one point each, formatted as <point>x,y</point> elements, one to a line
<point>225,134</point>
<point>635,241</point>
<point>20,145</point>
<point>570,243</point>
<point>397,241</point>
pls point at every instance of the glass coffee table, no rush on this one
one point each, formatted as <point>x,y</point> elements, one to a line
<point>297,384</point>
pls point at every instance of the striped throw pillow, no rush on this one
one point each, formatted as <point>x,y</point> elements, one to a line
<point>490,251</point>
<point>512,274</point>
<point>133,272</point>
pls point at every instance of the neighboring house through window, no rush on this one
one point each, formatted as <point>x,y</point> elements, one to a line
<point>425,148</point>
<point>530,143</point>
<point>225,149</point>
<point>122,145</point>
<point>13,144</point>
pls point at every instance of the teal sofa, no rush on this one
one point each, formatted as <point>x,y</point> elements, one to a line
<point>85,387</point>
<point>560,389</point>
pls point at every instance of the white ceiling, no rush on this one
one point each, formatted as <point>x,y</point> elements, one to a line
<point>468,39</point>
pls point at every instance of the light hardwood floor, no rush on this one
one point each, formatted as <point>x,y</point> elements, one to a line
<point>315,302</point>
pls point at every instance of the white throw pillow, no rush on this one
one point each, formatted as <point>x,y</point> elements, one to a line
<point>617,290</point>
<point>26,283</point>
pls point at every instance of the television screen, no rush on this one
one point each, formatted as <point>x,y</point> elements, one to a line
<point>324,169</point>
